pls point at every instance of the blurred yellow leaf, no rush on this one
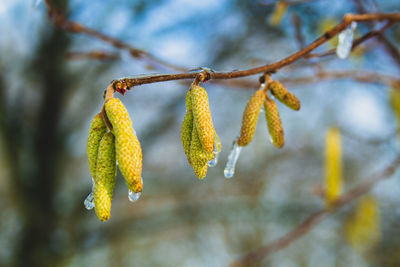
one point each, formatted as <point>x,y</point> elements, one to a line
<point>395,101</point>
<point>333,166</point>
<point>277,15</point>
<point>363,227</point>
<point>325,26</point>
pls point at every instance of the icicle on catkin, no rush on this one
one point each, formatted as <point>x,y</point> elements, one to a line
<point>250,117</point>
<point>187,127</point>
<point>106,171</point>
<point>128,150</point>
<point>96,132</point>
<point>283,95</point>
<point>333,167</point>
<point>202,117</point>
<point>363,227</point>
<point>199,157</point>
<point>274,123</point>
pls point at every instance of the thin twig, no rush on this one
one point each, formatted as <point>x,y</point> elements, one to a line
<point>315,218</point>
<point>359,76</point>
<point>60,21</point>
<point>269,68</point>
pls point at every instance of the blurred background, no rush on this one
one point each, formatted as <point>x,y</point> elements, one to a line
<point>48,98</point>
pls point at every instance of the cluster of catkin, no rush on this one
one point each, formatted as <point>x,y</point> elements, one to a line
<point>199,140</point>
<point>106,148</point>
<point>253,108</point>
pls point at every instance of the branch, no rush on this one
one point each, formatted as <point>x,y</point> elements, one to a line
<point>60,21</point>
<point>313,220</point>
<point>127,83</point>
<point>359,76</point>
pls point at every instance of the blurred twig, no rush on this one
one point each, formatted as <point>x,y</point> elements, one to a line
<point>315,218</point>
<point>359,76</point>
<point>60,21</point>
<point>99,55</point>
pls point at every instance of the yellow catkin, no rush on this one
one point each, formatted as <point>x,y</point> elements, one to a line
<point>202,117</point>
<point>277,15</point>
<point>363,227</point>
<point>128,150</point>
<point>283,95</point>
<point>187,127</point>
<point>274,123</point>
<point>106,171</point>
<point>333,166</point>
<point>395,102</point>
<point>96,132</point>
<point>199,157</point>
<point>250,118</point>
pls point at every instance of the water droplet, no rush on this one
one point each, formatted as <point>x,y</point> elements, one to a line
<point>89,201</point>
<point>133,197</point>
<point>271,140</point>
<point>214,161</point>
<point>346,41</point>
<point>217,150</point>
<point>229,170</point>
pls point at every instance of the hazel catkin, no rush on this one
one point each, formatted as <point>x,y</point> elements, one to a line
<point>202,117</point>
<point>96,132</point>
<point>283,95</point>
<point>128,150</point>
<point>274,123</point>
<point>106,171</point>
<point>199,157</point>
<point>250,117</point>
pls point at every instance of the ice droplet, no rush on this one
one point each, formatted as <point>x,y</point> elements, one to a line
<point>346,41</point>
<point>89,201</point>
<point>133,197</point>
<point>217,144</point>
<point>232,159</point>
<point>271,140</point>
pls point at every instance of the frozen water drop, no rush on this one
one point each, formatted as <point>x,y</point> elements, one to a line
<point>214,161</point>
<point>36,3</point>
<point>89,201</point>
<point>217,150</point>
<point>271,140</point>
<point>229,170</point>
<point>346,41</point>
<point>133,197</point>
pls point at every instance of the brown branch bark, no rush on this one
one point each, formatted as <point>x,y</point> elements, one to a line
<point>128,83</point>
<point>315,218</point>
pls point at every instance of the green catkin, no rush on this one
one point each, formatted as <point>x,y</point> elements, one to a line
<point>106,171</point>
<point>283,95</point>
<point>187,127</point>
<point>128,150</point>
<point>198,156</point>
<point>96,132</point>
<point>274,123</point>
